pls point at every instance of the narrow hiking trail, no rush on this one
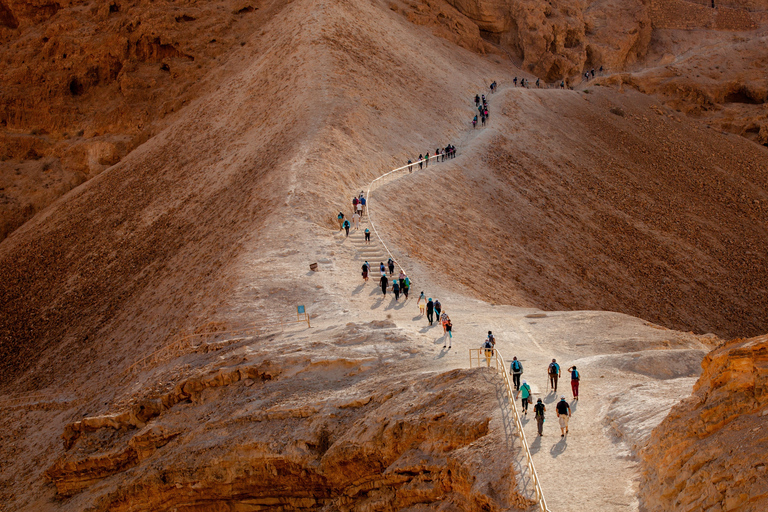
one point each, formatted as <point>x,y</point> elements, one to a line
<point>591,468</point>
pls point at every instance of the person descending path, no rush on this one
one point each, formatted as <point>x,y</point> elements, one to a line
<point>438,308</point>
<point>563,414</point>
<point>346,226</point>
<point>391,265</point>
<point>516,369</point>
<point>538,413</point>
<point>525,395</point>
<point>421,306</point>
<point>367,236</point>
<point>396,289</point>
<point>384,283</point>
<point>575,377</point>
<point>340,218</point>
<point>366,269</point>
<point>554,373</point>
<point>430,310</point>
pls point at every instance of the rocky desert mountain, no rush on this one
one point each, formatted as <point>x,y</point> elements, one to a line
<point>170,169</point>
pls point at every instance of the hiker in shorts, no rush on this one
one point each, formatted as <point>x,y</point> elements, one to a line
<point>488,349</point>
<point>396,289</point>
<point>366,269</point>
<point>525,397</point>
<point>553,371</point>
<point>538,413</point>
<point>516,369</point>
<point>421,306</point>
<point>340,218</point>
<point>346,226</point>
<point>391,265</point>
<point>421,161</point>
<point>563,414</point>
<point>430,310</point>
<point>575,377</point>
<point>367,236</point>
<point>356,220</point>
<point>438,309</point>
<point>384,283</point>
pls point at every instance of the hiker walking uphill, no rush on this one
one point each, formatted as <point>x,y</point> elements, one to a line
<point>430,310</point>
<point>420,304</point>
<point>538,413</point>
<point>384,283</point>
<point>391,265</point>
<point>346,226</point>
<point>516,369</point>
<point>553,371</point>
<point>575,377</point>
<point>366,269</point>
<point>406,286</point>
<point>488,349</point>
<point>396,289</point>
<point>438,309</point>
<point>340,218</point>
<point>563,415</point>
<point>525,396</point>
<point>367,236</point>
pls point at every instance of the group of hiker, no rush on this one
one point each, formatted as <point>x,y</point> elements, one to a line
<point>435,312</point>
<point>482,106</point>
<point>563,409</point>
<point>358,210</point>
<point>440,155</point>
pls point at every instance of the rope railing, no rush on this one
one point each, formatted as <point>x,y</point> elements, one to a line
<point>480,355</point>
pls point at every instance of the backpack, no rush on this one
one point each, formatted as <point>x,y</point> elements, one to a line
<point>516,366</point>
<point>575,375</point>
<point>438,305</point>
<point>538,410</point>
<point>407,282</point>
<point>554,368</point>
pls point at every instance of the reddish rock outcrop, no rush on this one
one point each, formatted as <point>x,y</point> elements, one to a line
<point>710,452</point>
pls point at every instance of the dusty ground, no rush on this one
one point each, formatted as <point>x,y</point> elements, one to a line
<point>212,223</point>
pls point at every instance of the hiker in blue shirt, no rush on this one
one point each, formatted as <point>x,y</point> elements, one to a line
<point>525,395</point>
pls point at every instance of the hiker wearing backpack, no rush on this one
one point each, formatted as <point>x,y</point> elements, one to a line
<point>340,218</point>
<point>575,377</point>
<point>346,226</point>
<point>381,268</point>
<point>367,236</point>
<point>491,338</point>
<point>538,413</point>
<point>488,349</point>
<point>430,310</point>
<point>361,205</point>
<point>563,415</point>
<point>554,373</point>
<point>438,308</point>
<point>525,395</point>
<point>406,286</point>
<point>384,282</point>
<point>516,369</point>
<point>396,289</point>
<point>366,268</point>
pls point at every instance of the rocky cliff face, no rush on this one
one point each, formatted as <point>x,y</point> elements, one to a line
<point>710,452</point>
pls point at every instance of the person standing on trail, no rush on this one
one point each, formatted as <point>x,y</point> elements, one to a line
<point>391,265</point>
<point>421,161</point>
<point>554,373</point>
<point>538,413</point>
<point>515,81</point>
<point>575,377</point>
<point>562,84</point>
<point>563,414</point>
<point>346,226</point>
<point>384,283</point>
<point>396,289</point>
<point>406,286</point>
<point>366,269</point>
<point>356,220</point>
<point>477,100</point>
<point>438,309</point>
<point>410,166</point>
<point>340,218</point>
<point>367,236</point>
<point>525,396</point>
<point>430,310</point>
<point>488,349</point>
<point>516,369</point>
<point>421,306</point>
<point>426,159</point>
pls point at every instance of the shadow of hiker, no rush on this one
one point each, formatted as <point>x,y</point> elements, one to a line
<point>559,447</point>
<point>377,303</point>
<point>574,405</point>
<point>550,398</point>
<point>376,289</point>
<point>417,317</point>
<point>358,289</point>
<point>535,446</point>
